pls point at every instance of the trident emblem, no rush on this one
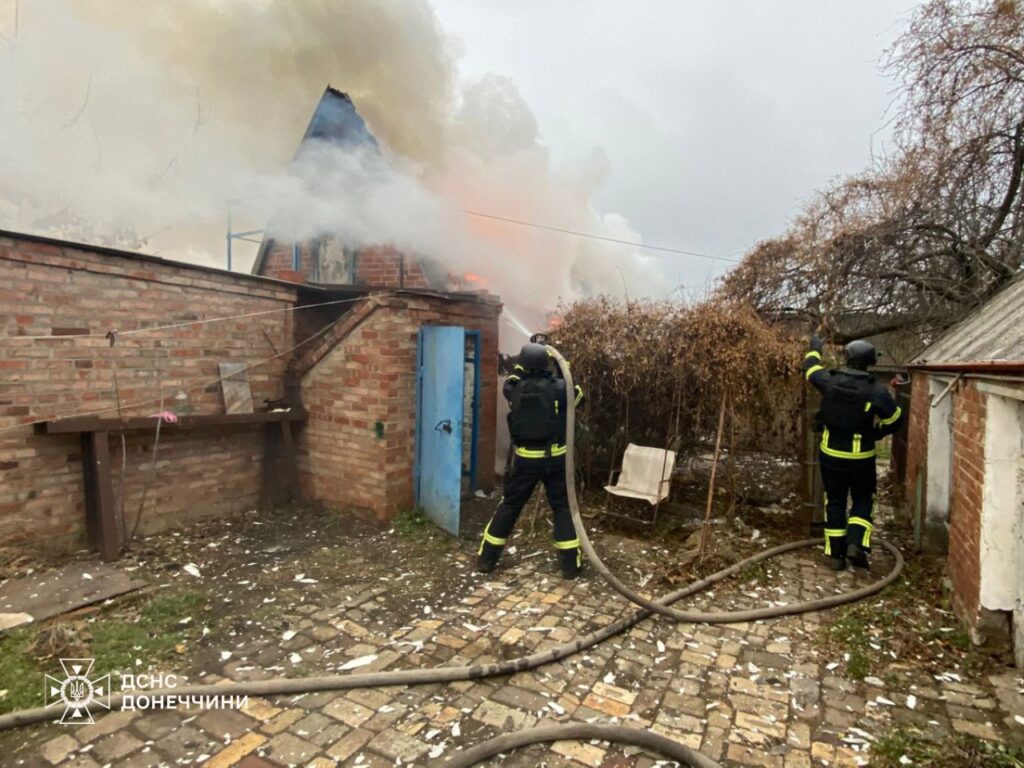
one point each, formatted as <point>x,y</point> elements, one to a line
<point>76,691</point>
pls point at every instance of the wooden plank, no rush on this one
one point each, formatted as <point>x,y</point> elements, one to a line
<point>43,595</point>
<point>101,524</point>
<point>96,424</point>
<point>234,384</point>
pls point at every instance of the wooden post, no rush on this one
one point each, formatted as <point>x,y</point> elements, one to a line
<point>731,511</point>
<point>711,484</point>
<point>291,469</point>
<point>280,473</point>
<point>100,521</point>
<point>811,512</point>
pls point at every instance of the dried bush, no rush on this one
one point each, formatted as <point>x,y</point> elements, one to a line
<point>655,373</point>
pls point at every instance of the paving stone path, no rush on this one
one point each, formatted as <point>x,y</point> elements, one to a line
<point>760,694</point>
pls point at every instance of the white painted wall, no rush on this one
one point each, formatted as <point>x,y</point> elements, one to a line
<point>1018,610</point>
<point>1002,515</point>
<point>940,455</point>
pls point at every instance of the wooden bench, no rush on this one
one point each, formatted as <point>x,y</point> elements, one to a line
<point>280,476</point>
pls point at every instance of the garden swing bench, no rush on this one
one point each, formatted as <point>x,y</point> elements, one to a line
<point>646,472</point>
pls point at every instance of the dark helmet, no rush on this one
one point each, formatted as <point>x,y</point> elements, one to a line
<point>533,357</point>
<point>861,354</point>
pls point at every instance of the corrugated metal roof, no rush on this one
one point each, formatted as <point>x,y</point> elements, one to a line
<point>995,331</point>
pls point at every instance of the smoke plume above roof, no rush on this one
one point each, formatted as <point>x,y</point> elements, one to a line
<point>134,125</point>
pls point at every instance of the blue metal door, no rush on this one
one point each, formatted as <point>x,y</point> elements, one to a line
<point>439,424</point>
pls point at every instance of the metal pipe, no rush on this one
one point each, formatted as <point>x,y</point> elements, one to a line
<point>939,397</point>
<point>229,238</point>
<point>977,366</point>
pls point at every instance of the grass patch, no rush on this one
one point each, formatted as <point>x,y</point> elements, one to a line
<point>758,572</point>
<point>896,747</point>
<point>851,635</point>
<point>412,522</point>
<point>913,619</point>
<point>151,636</point>
<point>21,676</point>
<point>117,643</point>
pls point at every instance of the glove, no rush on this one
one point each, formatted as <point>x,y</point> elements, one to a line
<point>817,343</point>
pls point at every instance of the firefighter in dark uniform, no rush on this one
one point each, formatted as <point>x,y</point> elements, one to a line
<point>536,420</point>
<point>856,411</point>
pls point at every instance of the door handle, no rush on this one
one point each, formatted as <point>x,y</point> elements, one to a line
<point>445,425</point>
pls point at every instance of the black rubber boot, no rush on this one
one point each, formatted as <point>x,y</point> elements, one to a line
<point>836,563</point>
<point>570,561</point>
<point>856,555</point>
<point>488,559</point>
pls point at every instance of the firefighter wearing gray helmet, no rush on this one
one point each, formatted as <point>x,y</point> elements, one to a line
<point>537,407</point>
<point>856,411</point>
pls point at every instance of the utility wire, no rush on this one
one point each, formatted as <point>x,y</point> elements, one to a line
<point>138,403</point>
<point>480,214</point>
<point>577,233</point>
<point>185,324</point>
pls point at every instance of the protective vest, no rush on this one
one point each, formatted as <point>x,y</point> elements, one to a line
<point>534,418</point>
<point>845,418</point>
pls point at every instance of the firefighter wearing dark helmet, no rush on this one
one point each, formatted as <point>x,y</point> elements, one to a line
<point>856,411</point>
<point>536,420</point>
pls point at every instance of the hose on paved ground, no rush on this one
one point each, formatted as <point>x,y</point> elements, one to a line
<point>290,686</point>
<point>543,734</point>
<point>693,617</point>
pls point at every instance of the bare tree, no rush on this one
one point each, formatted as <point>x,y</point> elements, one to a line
<point>927,235</point>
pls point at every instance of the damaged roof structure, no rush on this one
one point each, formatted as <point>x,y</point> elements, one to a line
<point>329,258</point>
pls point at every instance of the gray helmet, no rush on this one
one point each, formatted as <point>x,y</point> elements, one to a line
<point>533,357</point>
<point>861,354</point>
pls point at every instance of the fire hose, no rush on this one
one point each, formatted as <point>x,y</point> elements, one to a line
<point>542,734</point>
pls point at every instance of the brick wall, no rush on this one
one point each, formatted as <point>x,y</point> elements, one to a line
<point>49,287</point>
<point>386,267</point>
<point>279,261</point>
<point>364,372</point>
<point>375,267</point>
<point>965,504</point>
<point>917,446</point>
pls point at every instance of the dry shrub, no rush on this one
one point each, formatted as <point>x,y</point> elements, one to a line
<point>655,374</point>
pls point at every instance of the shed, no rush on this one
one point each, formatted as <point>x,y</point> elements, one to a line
<point>965,463</point>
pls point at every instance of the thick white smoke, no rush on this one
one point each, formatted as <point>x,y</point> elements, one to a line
<point>135,123</point>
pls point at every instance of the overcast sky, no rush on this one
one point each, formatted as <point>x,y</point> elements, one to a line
<point>696,125</point>
<point>718,118</point>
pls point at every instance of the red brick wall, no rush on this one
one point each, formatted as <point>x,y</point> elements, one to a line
<point>917,445</point>
<point>279,261</point>
<point>965,503</point>
<point>384,267</point>
<point>365,372</point>
<point>376,267</point>
<point>51,288</point>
